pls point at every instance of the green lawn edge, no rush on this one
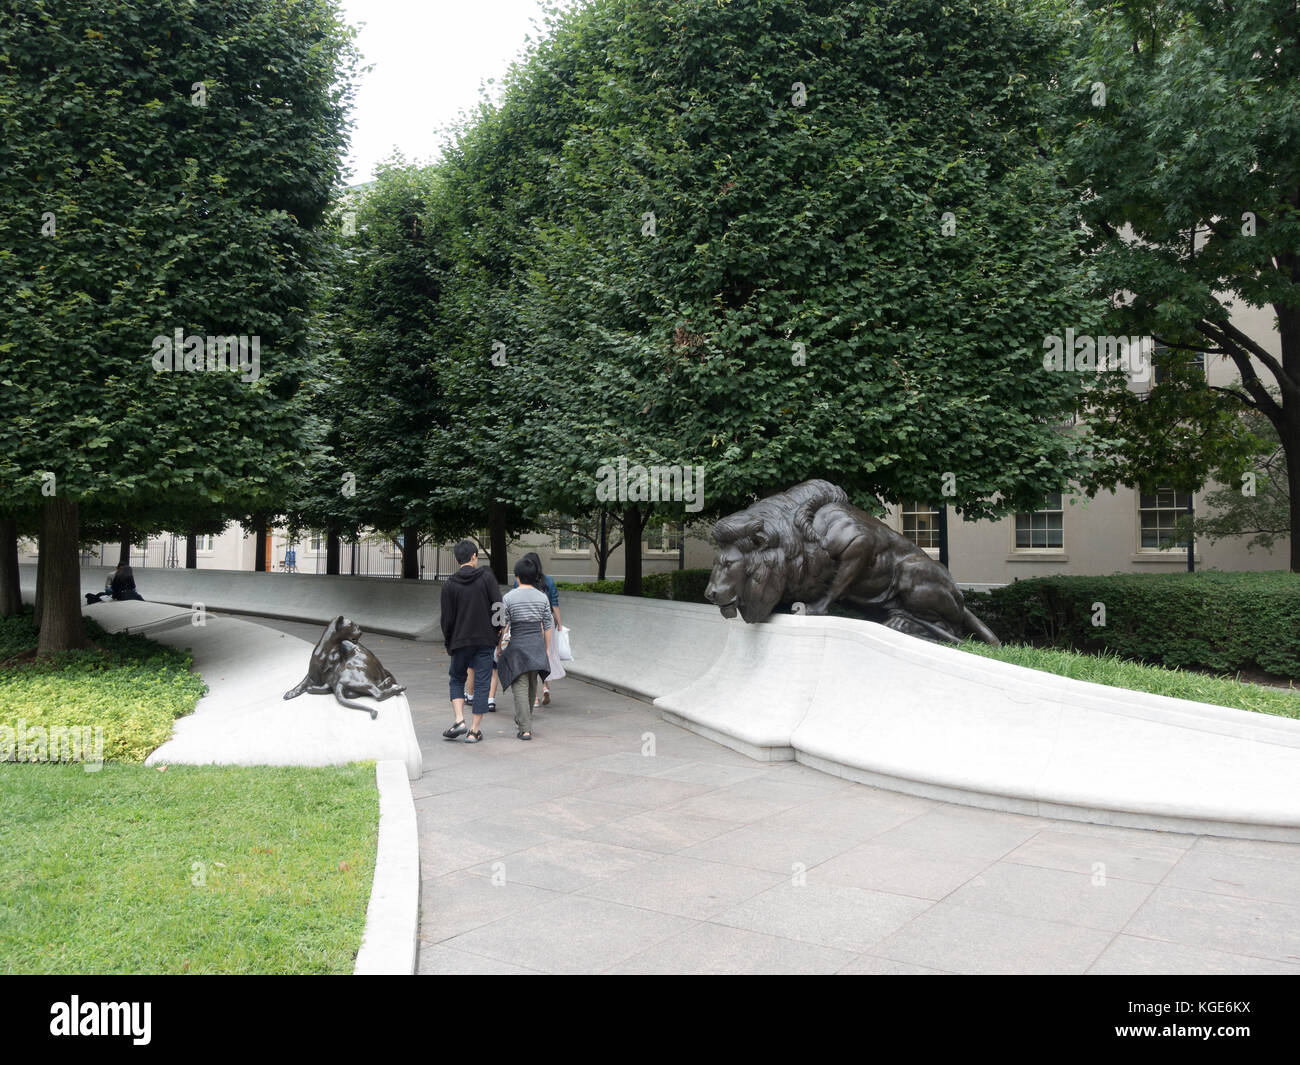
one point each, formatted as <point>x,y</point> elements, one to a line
<point>1116,672</point>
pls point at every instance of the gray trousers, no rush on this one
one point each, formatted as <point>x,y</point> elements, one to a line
<point>524,690</point>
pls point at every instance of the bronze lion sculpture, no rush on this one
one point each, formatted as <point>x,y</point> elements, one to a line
<point>342,666</point>
<point>808,547</point>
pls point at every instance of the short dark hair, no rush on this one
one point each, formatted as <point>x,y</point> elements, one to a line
<point>465,550</point>
<point>526,571</point>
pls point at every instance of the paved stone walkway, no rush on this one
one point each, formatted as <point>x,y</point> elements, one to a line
<point>616,842</point>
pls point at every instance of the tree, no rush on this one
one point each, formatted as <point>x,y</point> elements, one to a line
<point>601,530</point>
<point>1252,498</point>
<point>165,169</point>
<point>1185,126</point>
<point>809,239</point>
<point>382,398</point>
<point>498,457</point>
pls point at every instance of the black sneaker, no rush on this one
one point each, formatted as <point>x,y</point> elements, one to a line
<point>458,729</point>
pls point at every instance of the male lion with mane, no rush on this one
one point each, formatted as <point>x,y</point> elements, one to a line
<point>810,546</point>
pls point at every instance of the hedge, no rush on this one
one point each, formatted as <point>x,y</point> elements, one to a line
<point>1218,621</point>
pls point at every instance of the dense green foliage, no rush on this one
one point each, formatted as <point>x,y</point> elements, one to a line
<point>187,154</point>
<point>1216,621</point>
<point>131,687</point>
<point>1115,672</point>
<point>199,869</point>
<point>378,400</point>
<point>819,223</point>
<point>846,277</point>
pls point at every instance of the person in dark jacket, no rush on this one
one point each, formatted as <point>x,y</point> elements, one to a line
<point>124,583</point>
<point>472,620</point>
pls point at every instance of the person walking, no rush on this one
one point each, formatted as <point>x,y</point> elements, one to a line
<point>471,628</point>
<point>525,654</point>
<point>547,584</point>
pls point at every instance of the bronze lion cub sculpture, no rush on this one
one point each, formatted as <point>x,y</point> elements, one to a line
<point>809,547</point>
<point>342,666</point>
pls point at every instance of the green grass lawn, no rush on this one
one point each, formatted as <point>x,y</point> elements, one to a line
<point>1118,673</point>
<point>200,869</point>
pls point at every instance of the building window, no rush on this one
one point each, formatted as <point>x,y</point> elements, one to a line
<point>315,541</point>
<point>1158,510</point>
<point>211,542</point>
<point>664,539</point>
<point>920,523</point>
<point>568,541</point>
<point>1042,528</point>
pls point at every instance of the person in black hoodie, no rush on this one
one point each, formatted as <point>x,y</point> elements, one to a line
<point>472,620</point>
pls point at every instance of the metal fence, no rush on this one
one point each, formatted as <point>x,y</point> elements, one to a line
<point>160,552</point>
<point>369,558</point>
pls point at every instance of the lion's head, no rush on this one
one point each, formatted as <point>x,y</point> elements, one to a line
<point>767,553</point>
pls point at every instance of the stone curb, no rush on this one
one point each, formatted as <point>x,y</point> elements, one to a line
<point>391,939</point>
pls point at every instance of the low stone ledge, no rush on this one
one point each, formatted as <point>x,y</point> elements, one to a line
<point>390,944</point>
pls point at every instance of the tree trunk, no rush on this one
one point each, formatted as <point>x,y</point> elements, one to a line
<point>602,549</point>
<point>1288,328</point>
<point>61,628</point>
<point>11,596</point>
<point>410,554</point>
<point>124,554</point>
<point>632,519</point>
<point>497,543</point>
<point>41,556</point>
<point>1292,450</point>
<point>192,551</point>
<point>259,536</point>
<point>332,551</point>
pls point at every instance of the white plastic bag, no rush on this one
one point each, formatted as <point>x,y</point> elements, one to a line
<point>557,668</point>
<point>563,648</point>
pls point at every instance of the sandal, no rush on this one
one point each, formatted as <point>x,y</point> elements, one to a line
<point>524,735</point>
<point>458,729</point>
<point>546,696</point>
<point>492,706</point>
<point>474,737</point>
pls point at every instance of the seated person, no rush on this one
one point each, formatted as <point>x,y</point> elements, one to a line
<point>123,583</point>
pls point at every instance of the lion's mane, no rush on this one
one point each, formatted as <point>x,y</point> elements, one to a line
<point>777,532</point>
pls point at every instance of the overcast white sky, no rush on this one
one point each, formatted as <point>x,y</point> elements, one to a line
<point>429,58</point>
